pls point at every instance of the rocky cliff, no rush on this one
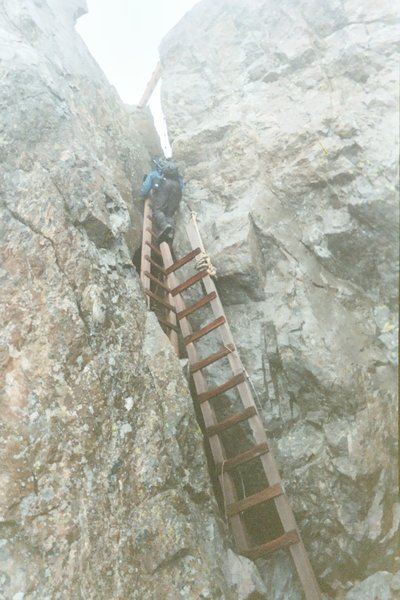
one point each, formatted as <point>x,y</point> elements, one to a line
<point>104,492</point>
<point>285,117</point>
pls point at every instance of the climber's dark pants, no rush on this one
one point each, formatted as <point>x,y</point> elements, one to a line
<point>165,202</point>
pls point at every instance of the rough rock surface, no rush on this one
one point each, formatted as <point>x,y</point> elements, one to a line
<point>380,586</point>
<point>97,431</point>
<point>285,117</point>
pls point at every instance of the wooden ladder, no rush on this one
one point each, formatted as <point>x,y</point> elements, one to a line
<point>225,468</point>
<point>153,278</point>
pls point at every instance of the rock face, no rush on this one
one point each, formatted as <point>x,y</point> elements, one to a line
<point>97,431</point>
<point>284,116</point>
<point>380,586</point>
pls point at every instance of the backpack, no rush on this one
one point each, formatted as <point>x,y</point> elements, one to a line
<point>168,168</point>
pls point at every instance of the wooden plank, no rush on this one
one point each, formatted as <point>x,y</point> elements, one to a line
<point>270,492</point>
<point>168,324</point>
<point>220,389</point>
<point>188,283</point>
<point>205,362</point>
<point>231,421</point>
<point>204,330</point>
<point>183,261</point>
<point>173,333</point>
<point>155,264</point>
<point>240,459</point>
<point>156,280</point>
<point>160,300</point>
<point>154,79</point>
<point>199,304</point>
<point>154,248</point>
<point>291,537</point>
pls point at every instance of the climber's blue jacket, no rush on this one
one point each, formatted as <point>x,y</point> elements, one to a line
<point>150,181</point>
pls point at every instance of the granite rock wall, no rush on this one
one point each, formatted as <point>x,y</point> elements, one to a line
<point>284,117</point>
<point>104,491</point>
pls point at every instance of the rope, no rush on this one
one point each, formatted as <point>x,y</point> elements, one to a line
<point>203,261</point>
<point>230,349</point>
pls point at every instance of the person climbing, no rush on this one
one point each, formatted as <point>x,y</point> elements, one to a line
<point>164,186</point>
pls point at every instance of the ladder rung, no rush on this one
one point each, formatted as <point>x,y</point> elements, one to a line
<point>241,505</point>
<point>202,302</point>
<point>168,324</point>
<point>234,381</point>
<point>189,282</point>
<point>247,413</point>
<point>240,459</point>
<point>155,264</point>
<point>159,300</point>
<point>156,280</point>
<point>154,248</point>
<point>204,330</point>
<point>150,231</point>
<point>212,358</point>
<point>287,539</point>
<point>183,261</point>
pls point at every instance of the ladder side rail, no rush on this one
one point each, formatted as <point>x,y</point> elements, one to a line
<point>146,250</point>
<point>173,335</point>
<point>199,380</point>
<point>305,571</point>
<point>171,316</point>
<point>284,509</point>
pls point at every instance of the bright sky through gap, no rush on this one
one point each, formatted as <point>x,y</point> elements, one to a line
<point>124,35</point>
